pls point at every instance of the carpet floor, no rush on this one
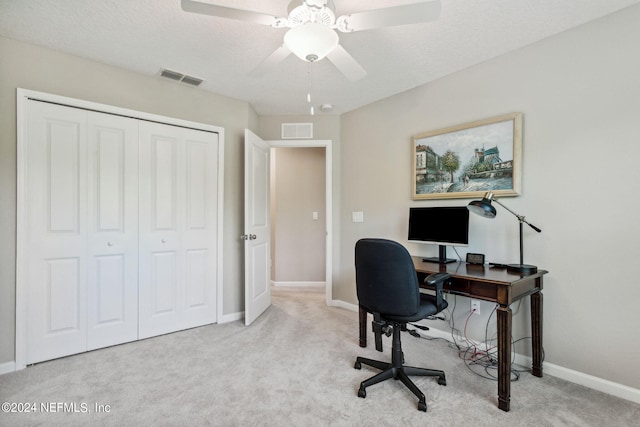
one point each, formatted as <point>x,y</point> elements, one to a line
<point>292,367</point>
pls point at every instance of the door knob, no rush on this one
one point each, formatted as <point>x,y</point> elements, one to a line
<point>164,240</point>
<point>252,237</point>
<point>244,237</point>
<point>110,244</point>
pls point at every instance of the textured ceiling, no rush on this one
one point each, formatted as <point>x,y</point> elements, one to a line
<point>146,35</point>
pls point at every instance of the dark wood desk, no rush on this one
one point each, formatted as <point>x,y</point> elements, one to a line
<point>495,285</point>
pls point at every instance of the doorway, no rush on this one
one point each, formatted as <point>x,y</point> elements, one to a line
<point>310,227</point>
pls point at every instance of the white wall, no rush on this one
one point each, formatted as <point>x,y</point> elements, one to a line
<point>31,67</point>
<point>580,95</point>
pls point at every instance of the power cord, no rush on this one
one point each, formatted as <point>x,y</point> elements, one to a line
<point>456,251</point>
<point>481,362</point>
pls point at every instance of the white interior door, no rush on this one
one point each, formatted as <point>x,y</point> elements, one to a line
<point>257,259</point>
<point>178,228</point>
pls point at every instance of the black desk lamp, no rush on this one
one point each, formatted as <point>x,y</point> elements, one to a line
<point>484,208</point>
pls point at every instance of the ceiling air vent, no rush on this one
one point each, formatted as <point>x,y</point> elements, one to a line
<point>180,77</point>
<point>297,130</point>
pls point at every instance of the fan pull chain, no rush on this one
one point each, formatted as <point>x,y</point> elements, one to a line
<point>310,75</point>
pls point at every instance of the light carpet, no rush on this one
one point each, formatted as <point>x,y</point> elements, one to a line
<point>292,367</point>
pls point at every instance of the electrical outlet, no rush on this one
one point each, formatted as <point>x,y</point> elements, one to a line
<point>475,305</point>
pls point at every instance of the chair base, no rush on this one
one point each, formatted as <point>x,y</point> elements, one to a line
<point>397,371</point>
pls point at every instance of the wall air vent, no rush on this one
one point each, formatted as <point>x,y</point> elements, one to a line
<point>180,77</point>
<point>193,81</point>
<point>173,75</point>
<point>297,130</point>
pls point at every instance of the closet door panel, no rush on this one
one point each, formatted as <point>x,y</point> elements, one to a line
<point>196,278</point>
<point>164,181</point>
<point>113,230</point>
<point>164,284</point>
<point>196,185</point>
<point>56,211</point>
<point>200,232</point>
<point>62,296</point>
<point>111,296</point>
<point>63,175</point>
<point>161,203</point>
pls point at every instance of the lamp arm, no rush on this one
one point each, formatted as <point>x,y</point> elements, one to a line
<point>520,217</point>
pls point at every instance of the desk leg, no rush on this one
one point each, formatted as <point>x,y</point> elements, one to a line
<point>504,357</point>
<point>536,333</point>
<point>363,327</point>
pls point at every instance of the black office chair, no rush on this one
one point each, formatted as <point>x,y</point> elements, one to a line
<point>387,286</point>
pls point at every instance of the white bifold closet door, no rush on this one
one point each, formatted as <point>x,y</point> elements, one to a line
<point>178,211</point>
<point>121,236</point>
<point>82,237</point>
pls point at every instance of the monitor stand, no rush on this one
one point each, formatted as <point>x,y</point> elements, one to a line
<point>441,258</point>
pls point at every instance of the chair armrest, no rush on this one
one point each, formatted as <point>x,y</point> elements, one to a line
<point>437,280</point>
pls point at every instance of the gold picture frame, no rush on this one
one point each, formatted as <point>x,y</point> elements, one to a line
<point>467,160</point>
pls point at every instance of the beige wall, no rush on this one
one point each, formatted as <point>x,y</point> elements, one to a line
<point>31,67</point>
<point>298,240</point>
<point>580,96</point>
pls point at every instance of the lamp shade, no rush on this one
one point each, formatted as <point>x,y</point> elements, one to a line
<point>482,207</point>
<point>311,42</point>
<point>486,209</point>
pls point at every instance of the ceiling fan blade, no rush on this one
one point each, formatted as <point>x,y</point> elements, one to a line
<point>271,61</point>
<point>346,64</point>
<point>391,16</point>
<point>231,13</point>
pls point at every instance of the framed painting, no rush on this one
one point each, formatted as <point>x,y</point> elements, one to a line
<point>465,161</point>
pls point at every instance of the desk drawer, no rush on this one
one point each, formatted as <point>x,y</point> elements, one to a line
<point>501,293</point>
<point>468,288</point>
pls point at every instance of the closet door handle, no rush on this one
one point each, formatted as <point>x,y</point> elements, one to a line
<point>109,243</point>
<point>164,240</point>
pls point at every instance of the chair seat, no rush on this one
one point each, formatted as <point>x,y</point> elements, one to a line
<point>426,308</point>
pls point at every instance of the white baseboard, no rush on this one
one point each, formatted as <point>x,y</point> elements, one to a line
<point>298,284</point>
<point>345,305</point>
<point>7,367</point>
<point>615,389</point>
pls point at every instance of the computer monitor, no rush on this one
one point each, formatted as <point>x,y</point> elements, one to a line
<point>443,226</point>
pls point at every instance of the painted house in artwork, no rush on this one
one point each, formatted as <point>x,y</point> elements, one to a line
<point>428,165</point>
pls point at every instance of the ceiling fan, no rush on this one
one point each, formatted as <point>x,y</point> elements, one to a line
<point>312,24</point>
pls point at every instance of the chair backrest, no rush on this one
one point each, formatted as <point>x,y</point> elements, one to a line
<point>386,279</point>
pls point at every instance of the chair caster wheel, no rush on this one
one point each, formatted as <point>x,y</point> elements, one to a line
<point>442,381</point>
<point>422,406</point>
<point>362,393</point>
<point>358,365</point>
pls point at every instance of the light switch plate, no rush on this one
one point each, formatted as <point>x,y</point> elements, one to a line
<point>357,216</point>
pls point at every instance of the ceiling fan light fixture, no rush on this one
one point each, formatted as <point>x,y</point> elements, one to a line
<point>311,42</point>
